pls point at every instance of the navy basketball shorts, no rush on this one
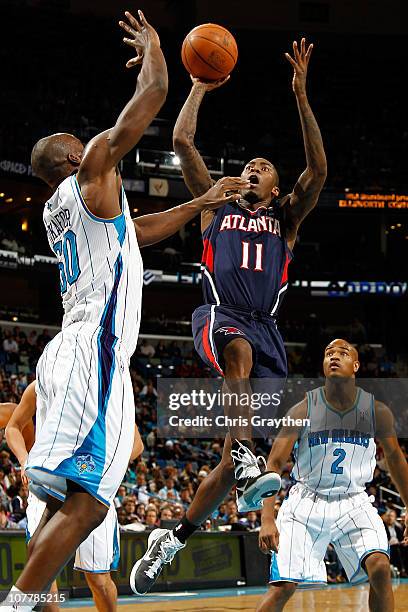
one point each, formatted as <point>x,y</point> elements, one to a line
<point>215,326</point>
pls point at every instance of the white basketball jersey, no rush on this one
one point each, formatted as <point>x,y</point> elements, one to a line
<point>101,269</point>
<point>336,452</point>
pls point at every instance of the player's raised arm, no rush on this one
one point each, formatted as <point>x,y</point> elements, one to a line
<point>195,172</point>
<point>397,463</point>
<point>159,226</point>
<point>310,183</point>
<point>20,420</point>
<point>278,457</point>
<point>105,151</point>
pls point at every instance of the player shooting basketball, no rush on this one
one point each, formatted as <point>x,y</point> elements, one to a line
<point>335,457</point>
<point>247,249</point>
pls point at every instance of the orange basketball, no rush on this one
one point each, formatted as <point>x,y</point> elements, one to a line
<point>209,52</point>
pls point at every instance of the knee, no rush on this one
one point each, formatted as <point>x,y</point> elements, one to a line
<point>378,569</point>
<point>238,359</point>
<point>92,517</point>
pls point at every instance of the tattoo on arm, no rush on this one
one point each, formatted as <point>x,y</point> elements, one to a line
<point>195,172</point>
<point>310,183</point>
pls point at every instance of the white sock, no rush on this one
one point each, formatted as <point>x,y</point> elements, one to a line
<point>16,600</point>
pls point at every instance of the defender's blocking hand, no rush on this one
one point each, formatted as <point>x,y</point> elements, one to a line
<point>143,34</point>
<point>300,62</point>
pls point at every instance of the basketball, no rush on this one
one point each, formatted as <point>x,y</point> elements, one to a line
<point>209,52</point>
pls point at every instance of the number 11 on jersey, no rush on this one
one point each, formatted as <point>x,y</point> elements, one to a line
<point>246,255</point>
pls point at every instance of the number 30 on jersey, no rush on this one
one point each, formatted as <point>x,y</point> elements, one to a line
<point>69,266</point>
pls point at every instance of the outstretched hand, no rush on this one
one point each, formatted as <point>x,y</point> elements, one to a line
<point>300,62</point>
<point>142,33</point>
<point>210,85</point>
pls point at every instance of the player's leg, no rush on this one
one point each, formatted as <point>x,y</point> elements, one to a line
<point>381,597</point>
<point>277,597</point>
<point>304,533</point>
<point>37,518</point>
<point>163,544</point>
<point>237,355</point>
<point>238,464</point>
<point>104,591</point>
<point>253,485</point>
<point>224,339</point>
<point>211,492</point>
<point>361,544</point>
<point>56,541</point>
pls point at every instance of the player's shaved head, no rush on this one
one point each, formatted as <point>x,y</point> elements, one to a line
<point>340,343</point>
<point>55,157</point>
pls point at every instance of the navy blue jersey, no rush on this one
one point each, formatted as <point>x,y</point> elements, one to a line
<point>245,258</point>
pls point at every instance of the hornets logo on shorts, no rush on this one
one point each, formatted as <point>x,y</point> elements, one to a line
<point>85,463</point>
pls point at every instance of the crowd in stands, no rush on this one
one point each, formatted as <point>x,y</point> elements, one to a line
<point>20,351</point>
<point>159,486</point>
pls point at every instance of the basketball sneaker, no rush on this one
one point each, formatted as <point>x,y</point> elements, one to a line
<point>253,485</point>
<point>162,547</point>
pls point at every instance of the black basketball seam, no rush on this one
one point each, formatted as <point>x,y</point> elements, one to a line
<point>184,55</point>
<point>203,60</point>
<point>218,45</point>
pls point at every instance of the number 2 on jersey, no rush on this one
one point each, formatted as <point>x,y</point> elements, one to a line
<point>69,268</point>
<point>245,257</point>
<point>340,453</point>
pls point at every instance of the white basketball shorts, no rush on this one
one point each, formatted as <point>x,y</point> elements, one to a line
<point>84,389</point>
<point>309,522</point>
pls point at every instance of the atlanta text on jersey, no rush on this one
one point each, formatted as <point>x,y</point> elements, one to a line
<point>257,225</point>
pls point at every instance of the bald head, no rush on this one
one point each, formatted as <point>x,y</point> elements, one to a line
<point>55,157</point>
<point>339,343</point>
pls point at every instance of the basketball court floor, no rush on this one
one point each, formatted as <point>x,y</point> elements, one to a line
<point>331,599</point>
